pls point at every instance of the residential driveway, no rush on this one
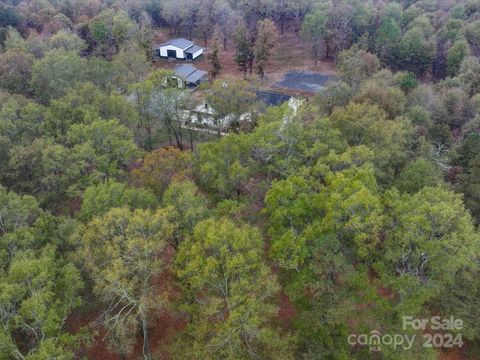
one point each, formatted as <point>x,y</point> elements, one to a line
<point>306,81</point>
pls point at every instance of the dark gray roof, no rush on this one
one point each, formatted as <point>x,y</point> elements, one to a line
<point>184,70</point>
<point>196,76</point>
<point>180,43</point>
<point>189,73</point>
<point>192,50</point>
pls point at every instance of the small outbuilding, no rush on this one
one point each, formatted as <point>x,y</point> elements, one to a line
<point>178,49</point>
<point>189,76</point>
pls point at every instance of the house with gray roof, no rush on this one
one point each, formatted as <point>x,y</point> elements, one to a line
<point>178,49</point>
<point>189,76</point>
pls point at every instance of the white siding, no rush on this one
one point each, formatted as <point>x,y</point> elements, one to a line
<point>164,51</point>
<point>197,54</point>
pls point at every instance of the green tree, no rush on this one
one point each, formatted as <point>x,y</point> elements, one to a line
<point>38,292</point>
<point>418,174</point>
<point>16,71</point>
<point>41,168</point>
<point>390,99</point>
<point>466,156</point>
<point>356,65</point>
<point>21,121</point>
<point>265,42</point>
<point>215,66</point>
<point>469,75</point>
<point>57,73</point>
<point>190,206</point>
<point>229,292</point>
<point>289,207</point>
<point>16,211</point>
<point>66,41</point>
<point>407,81</point>
<point>132,62</point>
<point>456,54</point>
<point>416,52</point>
<point>111,142</point>
<point>14,41</point>
<point>244,52</point>
<point>429,238</point>
<point>84,104</point>
<point>334,94</point>
<point>42,230</point>
<point>461,300</point>
<point>314,30</point>
<point>9,16</point>
<point>387,41</point>
<point>122,251</point>
<point>110,29</point>
<point>453,108</point>
<point>98,199</point>
<point>363,124</point>
<point>224,175</point>
<point>316,232</point>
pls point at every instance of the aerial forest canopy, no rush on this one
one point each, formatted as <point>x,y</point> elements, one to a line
<point>143,216</point>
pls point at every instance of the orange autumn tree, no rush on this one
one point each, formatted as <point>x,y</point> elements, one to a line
<point>161,166</point>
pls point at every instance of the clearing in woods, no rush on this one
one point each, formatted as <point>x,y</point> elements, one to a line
<point>290,57</point>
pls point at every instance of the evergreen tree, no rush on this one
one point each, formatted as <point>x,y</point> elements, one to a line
<point>215,66</point>
<point>244,52</point>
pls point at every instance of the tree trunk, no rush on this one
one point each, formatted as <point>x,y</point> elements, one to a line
<point>181,136</point>
<point>146,346</point>
<point>149,138</point>
<point>176,135</point>
<point>224,43</point>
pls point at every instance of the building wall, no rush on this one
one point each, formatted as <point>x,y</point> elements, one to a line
<point>197,54</point>
<point>164,51</point>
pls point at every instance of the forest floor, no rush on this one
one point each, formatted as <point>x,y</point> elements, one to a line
<point>290,54</point>
<point>454,354</point>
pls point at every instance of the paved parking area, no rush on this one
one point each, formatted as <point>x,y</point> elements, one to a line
<point>306,81</point>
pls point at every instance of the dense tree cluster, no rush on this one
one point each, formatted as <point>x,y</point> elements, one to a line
<point>357,209</point>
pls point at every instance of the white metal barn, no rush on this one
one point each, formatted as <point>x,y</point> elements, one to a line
<point>178,49</point>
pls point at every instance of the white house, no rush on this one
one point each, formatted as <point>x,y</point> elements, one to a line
<point>178,49</point>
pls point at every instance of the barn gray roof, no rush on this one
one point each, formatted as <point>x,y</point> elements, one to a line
<point>184,70</point>
<point>192,50</point>
<point>180,43</point>
<point>196,76</point>
<point>189,73</point>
